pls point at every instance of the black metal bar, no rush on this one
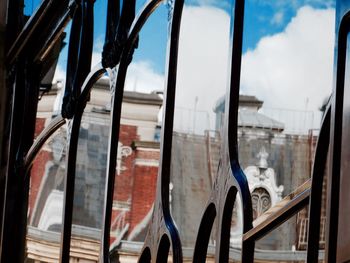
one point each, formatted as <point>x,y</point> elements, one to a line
<point>297,203</point>
<point>71,162</point>
<point>79,56</point>
<point>17,190</point>
<point>225,226</point>
<point>203,236</point>
<point>10,24</point>
<point>46,14</point>
<point>163,222</point>
<point>57,26</point>
<point>24,60</point>
<point>54,125</point>
<point>232,106</point>
<point>10,180</point>
<point>78,67</point>
<point>72,65</point>
<point>115,118</point>
<point>336,143</point>
<point>113,16</point>
<point>315,204</point>
<point>230,178</point>
<point>168,123</point>
<point>116,37</point>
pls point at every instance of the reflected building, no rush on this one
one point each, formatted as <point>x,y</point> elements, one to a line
<point>274,161</point>
<point>136,175</point>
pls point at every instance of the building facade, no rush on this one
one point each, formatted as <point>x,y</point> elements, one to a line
<point>275,163</point>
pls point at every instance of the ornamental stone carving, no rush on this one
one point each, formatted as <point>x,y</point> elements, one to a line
<point>264,191</point>
<point>123,151</point>
<point>261,176</point>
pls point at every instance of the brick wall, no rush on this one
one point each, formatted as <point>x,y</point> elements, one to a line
<point>143,194</point>
<point>38,168</point>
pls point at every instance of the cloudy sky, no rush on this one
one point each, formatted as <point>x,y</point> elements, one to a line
<point>287,60</point>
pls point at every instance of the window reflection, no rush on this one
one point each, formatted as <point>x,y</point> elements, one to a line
<point>276,144</point>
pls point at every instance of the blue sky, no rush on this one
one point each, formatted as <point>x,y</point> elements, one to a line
<point>268,17</point>
<point>287,52</point>
<point>262,18</point>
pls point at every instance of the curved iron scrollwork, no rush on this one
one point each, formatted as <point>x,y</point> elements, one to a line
<point>230,179</point>
<point>118,28</point>
<point>162,233</point>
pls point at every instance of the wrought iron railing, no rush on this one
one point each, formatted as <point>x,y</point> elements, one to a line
<point>29,47</point>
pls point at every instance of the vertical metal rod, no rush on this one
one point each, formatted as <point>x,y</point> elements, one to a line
<point>5,106</point>
<point>113,15</point>
<point>162,199</point>
<point>335,144</point>
<point>315,202</point>
<point>82,53</point>
<point>11,16</point>
<point>232,106</point>
<point>17,189</point>
<point>95,74</point>
<point>163,226</point>
<point>69,190</point>
<point>130,40</point>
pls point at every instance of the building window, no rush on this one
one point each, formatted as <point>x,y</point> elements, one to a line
<point>261,201</point>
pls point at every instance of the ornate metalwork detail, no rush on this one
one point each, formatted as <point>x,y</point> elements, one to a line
<point>113,48</point>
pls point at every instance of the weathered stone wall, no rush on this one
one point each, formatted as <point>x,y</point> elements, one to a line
<point>90,175</point>
<point>289,156</point>
<point>191,180</point>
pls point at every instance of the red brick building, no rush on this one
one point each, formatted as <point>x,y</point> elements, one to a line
<point>136,171</point>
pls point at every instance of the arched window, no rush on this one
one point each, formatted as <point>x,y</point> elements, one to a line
<point>261,201</point>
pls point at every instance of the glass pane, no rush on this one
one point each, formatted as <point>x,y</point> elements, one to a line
<point>285,243</point>
<point>30,6</point>
<point>286,82</point>
<point>90,179</point>
<point>212,243</point>
<point>139,140</point>
<point>46,197</point>
<point>201,82</point>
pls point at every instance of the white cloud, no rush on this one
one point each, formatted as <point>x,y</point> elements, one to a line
<point>60,74</point>
<point>96,58</point>
<point>296,4</point>
<point>202,64</point>
<point>142,77</point>
<point>277,19</point>
<point>217,3</point>
<point>289,68</point>
<point>285,70</point>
